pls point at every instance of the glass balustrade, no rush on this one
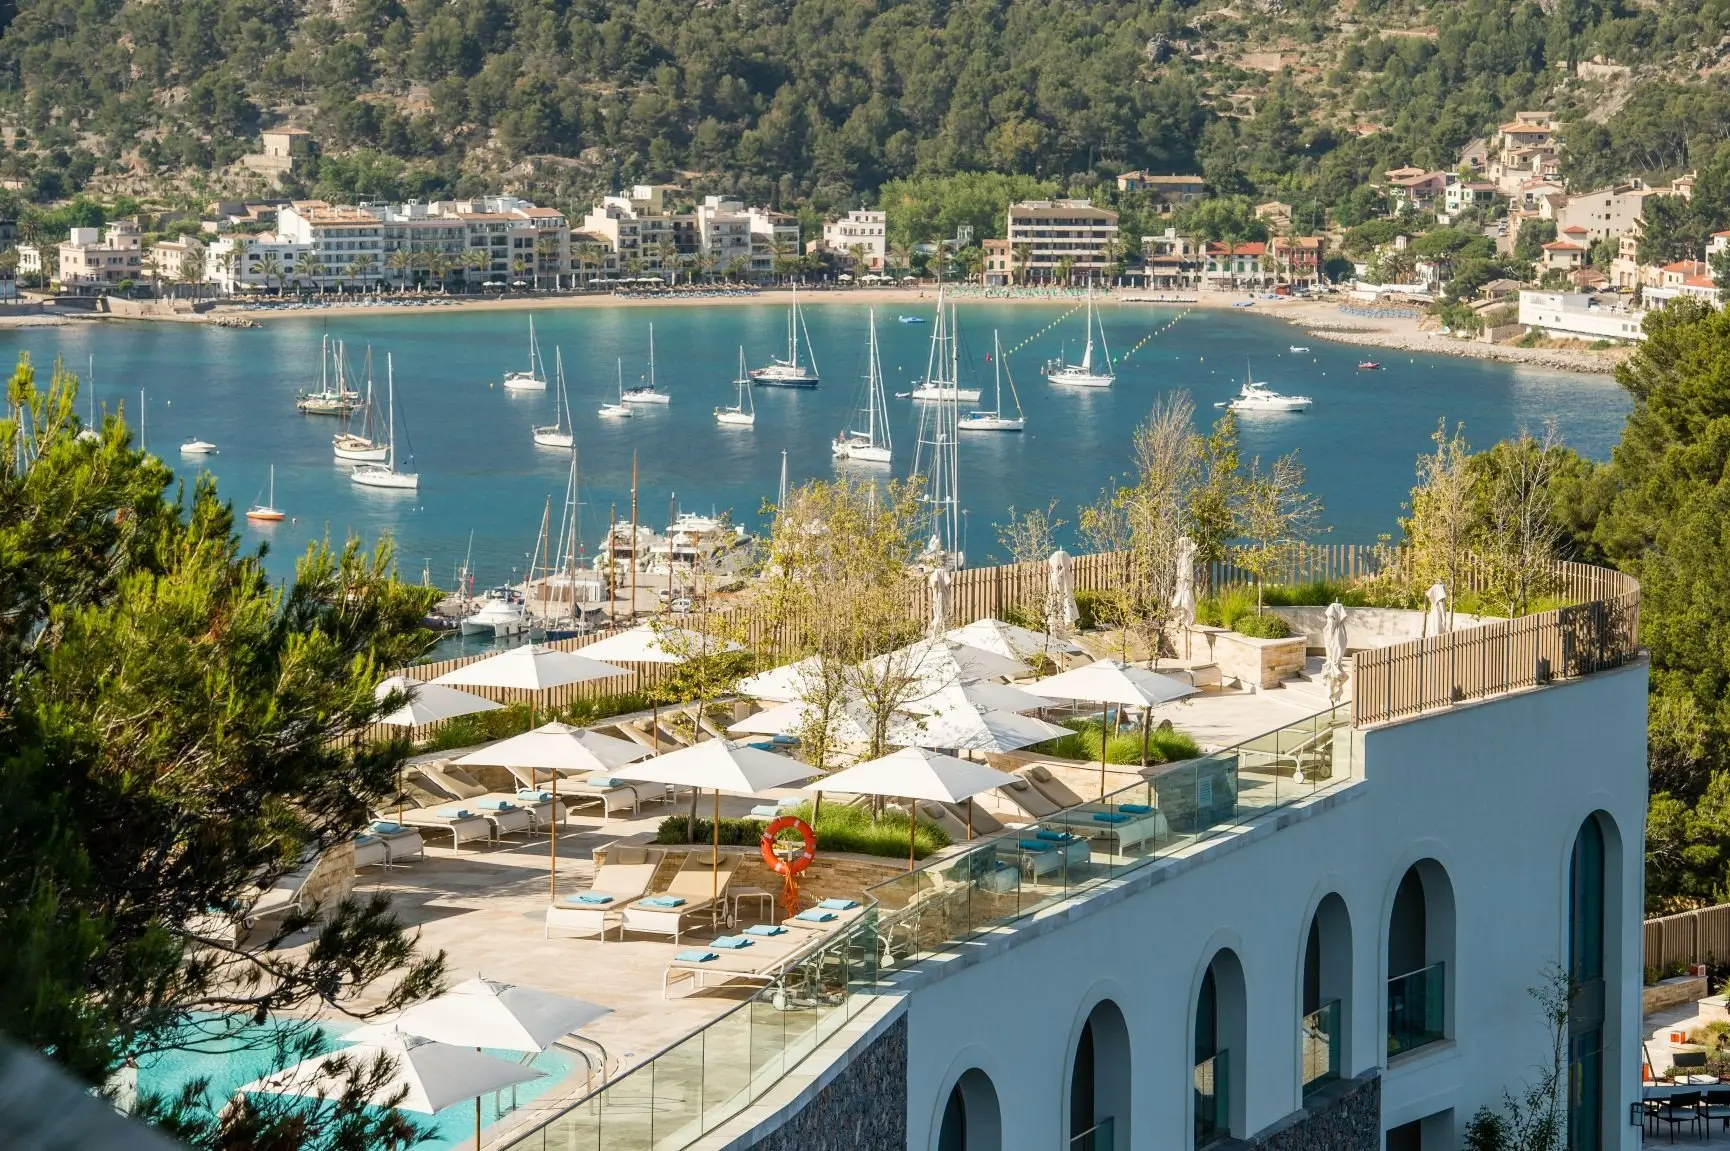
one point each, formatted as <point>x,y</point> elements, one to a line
<point>1102,1136</point>
<point>1417,1009</point>
<point>1320,1039</point>
<point>1212,1099</point>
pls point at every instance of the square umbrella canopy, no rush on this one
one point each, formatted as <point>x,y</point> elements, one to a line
<point>985,694</point>
<point>1107,682</point>
<point>1007,639</point>
<point>937,663</point>
<point>531,667</point>
<point>435,1075</point>
<point>850,723</point>
<point>486,1013</point>
<point>429,702</point>
<point>648,644</point>
<point>782,684</point>
<point>557,747</point>
<point>915,773</point>
<point>968,727</point>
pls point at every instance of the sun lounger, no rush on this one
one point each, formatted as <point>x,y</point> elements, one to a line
<point>941,816</point>
<point>821,920</point>
<point>609,793</point>
<point>1029,799</point>
<point>696,888</point>
<point>1129,825</point>
<point>383,844</point>
<point>1045,853</point>
<point>984,822</point>
<point>762,959</point>
<point>458,784</point>
<point>461,828</point>
<point>625,876</point>
<point>1050,786</point>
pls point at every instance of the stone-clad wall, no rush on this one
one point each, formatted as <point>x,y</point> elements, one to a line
<point>1344,1116</point>
<point>864,1108</point>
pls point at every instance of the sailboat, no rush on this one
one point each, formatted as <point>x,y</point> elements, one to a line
<point>646,394</point>
<point>1085,374</point>
<point>535,379</point>
<point>557,435</point>
<point>267,512</point>
<point>564,559</point>
<point>143,426</point>
<point>743,413</point>
<point>362,445</point>
<point>327,401</point>
<point>620,410</point>
<point>871,446</point>
<point>994,420</point>
<point>790,372</point>
<point>89,433</point>
<point>386,475</point>
<point>943,372</point>
<point>936,465</point>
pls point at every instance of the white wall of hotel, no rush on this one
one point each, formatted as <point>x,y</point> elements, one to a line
<point>1575,314</point>
<point>1486,801</point>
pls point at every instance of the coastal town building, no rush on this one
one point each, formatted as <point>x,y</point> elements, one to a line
<point>1423,190</point>
<point>864,232</point>
<point>1526,148</point>
<point>1461,195</point>
<point>279,150</point>
<point>774,236</point>
<point>92,256</point>
<point>1233,266</point>
<point>176,261</point>
<point>1061,235</point>
<point>1580,315</point>
<point>1276,214</point>
<point>1171,262</point>
<point>724,236</point>
<point>1169,192</point>
<point>1298,259</point>
<point>1684,279</point>
<point>1563,256</point>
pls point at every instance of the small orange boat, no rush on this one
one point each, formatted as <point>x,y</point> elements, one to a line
<point>267,511</point>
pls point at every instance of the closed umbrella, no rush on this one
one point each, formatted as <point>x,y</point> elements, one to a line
<point>914,773</point>
<point>555,747</point>
<point>720,765</point>
<point>1436,619</point>
<point>1334,647</point>
<point>1060,570</point>
<point>433,1075</point>
<point>1183,595</point>
<point>941,582</point>
<point>1108,682</point>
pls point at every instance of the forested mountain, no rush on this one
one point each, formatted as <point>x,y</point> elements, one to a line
<point>820,102</point>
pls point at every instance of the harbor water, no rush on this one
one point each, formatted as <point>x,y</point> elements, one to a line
<point>481,475</point>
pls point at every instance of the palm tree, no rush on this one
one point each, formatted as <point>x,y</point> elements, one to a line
<point>547,252</point>
<point>309,265</point>
<point>973,260</point>
<point>192,273</point>
<point>706,265</point>
<point>401,262</point>
<point>857,258</point>
<point>226,261</point>
<point>475,260</point>
<point>358,268</point>
<point>1023,258</point>
<point>153,268</point>
<point>522,265</point>
<point>270,267</point>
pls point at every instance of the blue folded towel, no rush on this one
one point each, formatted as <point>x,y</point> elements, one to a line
<point>496,804</point>
<point>765,811</point>
<point>602,781</point>
<point>534,796</point>
<point>762,744</point>
<point>786,740</point>
<point>765,929</point>
<point>1134,808</point>
<point>664,901</point>
<point>838,904</point>
<point>1036,845</point>
<point>384,828</point>
<point>695,956</point>
<point>1053,836</point>
<point>730,942</point>
<point>455,813</point>
<point>1110,817</point>
<point>366,839</point>
<point>816,915</point>
<point>590,897</point>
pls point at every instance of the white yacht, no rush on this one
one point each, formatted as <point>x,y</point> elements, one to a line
<point>620,410</point>
<point>1086,374</point>
<point>790,372</point>
<point>646,393</point>
<point>996,420</point>
<point>872,445</point>
<point>197,447</point>
<point>1256,396</point>
<point>942,380</point>
<point>328,401</point>
<point>362,446</point>
<point>561,433</point>
<point>535,379</point>
<point>501,613</point>
<point>387,474</point>
<point>743,412</point>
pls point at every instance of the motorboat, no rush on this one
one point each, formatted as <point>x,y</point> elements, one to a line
<point>620,410</point>
<point>1299,349</point>
<point>266,511</point>
<point>873,444</point>
<point>558,434</point>
<point>197,447</point>
<point>387,474</point>
<point>995,420</point>
<point>500,614</point>
<point>1086,374</point>
<point>362,446</point>
<point>535,379</point>
<point>743,412</point>
<point>790,372</point>
<point>1256,396</point>
<point>1369,365</point>
<point>910,319</point>
<point>646,393</point>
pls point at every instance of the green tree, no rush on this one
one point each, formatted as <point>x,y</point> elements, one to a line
<point>175,732</point>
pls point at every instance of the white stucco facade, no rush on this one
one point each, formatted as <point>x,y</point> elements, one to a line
<point>1489,796</point>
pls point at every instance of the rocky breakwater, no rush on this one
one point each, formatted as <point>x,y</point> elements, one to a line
<point>1409,335</point>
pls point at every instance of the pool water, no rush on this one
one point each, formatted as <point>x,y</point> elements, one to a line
<point>250,1053</point>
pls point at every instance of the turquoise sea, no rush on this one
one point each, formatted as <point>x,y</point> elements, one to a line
<point>481,474</point>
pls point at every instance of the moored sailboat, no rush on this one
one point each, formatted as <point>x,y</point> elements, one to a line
<point>873,444</point>
<point>742,413</point>
<point>790,372</point>
<point>995,420</point>
<point>361,446</point>
<point>646,393</point>
<point>1086,374</point>
<point>620,410</point>
<point>386,474</point>
<point>328,401</point>
<point>942,380</point>
<point>266,511</point>
<point>556,434</point>
<point>535,379</point>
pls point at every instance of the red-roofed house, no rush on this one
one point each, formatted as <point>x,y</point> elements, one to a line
<point>1237,266</point>
<point>1689,278</point>
<point>1298,259</point>
<point>1563,256</point>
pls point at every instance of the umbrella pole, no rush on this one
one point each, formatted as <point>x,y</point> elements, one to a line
<point>715,859</point>
<point>1104,715</point>
<point>477,1120</point>
<point>553,843</point>
<point>1146,720</point>
<point>970,817</point>
<point>912,822</point>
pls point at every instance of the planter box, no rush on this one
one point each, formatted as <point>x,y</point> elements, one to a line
<point>1672,993</point>
<point>1368,627</point>
<point>1251,662</point>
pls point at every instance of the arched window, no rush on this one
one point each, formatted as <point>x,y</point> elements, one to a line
<point>1099,1082</point>
<point>1221,1018</point>
<point>1586,903</point>
<point>1325,1004</point>
<point>971,1119</point>
<point>1420,952</point>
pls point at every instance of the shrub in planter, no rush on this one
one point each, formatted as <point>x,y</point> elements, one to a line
<point>1262,627</point>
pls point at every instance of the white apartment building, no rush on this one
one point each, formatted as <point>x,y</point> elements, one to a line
<point>168,261</point>
<point>771,232</point>
<point>1057,231</point>
<point>253,262</point>
<point>1580,315</point>
<point>101,255</point>
<point>864,230</point>
<point>1604,213</point>
<point>720,236</point>
<point>724,237</point>
<point>1685,279</point>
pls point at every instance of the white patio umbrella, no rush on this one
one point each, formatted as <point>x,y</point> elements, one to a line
<point>483,1012</point>
<point>429,702</point>
<point>983,693</point>
<point>937,663</point>
<point>646,643</point>
<point>941,583</point>
<point>968,726</point>
<point>915,773</point>
<point>1061,571</point>
<point>850,722</point>
<point>1334,647</point>
<point>434,1075</point>
<point>556,747</point>
<point>1108,682</point>
<point>782,684</point>
<point>1009,640</point>
<point>1436,619</point>
<point>720,765</point>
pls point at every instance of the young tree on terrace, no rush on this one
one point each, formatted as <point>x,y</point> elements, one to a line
<point>177,732</point>
<point>1030,537</point>
<point>1168,468</point>
<point>1276,517</point>
<point>1522,534</point>
<point>1445,519</point>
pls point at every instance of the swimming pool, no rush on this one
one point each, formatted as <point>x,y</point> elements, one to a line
<point>250,1053</point>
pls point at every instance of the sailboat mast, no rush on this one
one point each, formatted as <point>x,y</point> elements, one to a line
<point>781,496</point>
<point>633,537</point>
<point>390,387</point>
<point>651,355</point>
<point>793,329</point>
<point>997,362</point>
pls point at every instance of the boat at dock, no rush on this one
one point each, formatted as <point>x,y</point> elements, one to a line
<point>790,372</point>
<point>872,445</point>
<point>501,613</point>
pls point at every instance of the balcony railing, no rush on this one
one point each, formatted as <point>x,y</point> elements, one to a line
<point>1212,1098</point>
<point>1417,1009</point>
<point>1321,1045</point>
<point>1102,1136</point>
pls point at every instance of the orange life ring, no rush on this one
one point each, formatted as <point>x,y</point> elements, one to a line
<point>801,859</point>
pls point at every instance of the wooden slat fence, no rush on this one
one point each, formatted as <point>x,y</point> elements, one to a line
<point>1701,936</point>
